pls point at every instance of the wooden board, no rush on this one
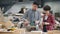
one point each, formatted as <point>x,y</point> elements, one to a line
<point>56,31</point>
<point>15,32</point>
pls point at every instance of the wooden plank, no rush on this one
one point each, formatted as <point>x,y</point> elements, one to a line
<point>50,32</point>
<point>56,31</point>
<point>17,31</point>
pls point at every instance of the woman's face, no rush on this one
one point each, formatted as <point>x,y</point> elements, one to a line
<point>46,12</point>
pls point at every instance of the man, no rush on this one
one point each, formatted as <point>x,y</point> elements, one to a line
<point>32,15</point>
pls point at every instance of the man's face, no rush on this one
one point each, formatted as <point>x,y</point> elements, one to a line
<point>34,7</point>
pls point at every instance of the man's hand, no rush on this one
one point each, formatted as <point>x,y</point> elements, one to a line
<point>36,22</point>
<point>26,22</point>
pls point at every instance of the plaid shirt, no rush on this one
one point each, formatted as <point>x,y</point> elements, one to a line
<point>51,22</point>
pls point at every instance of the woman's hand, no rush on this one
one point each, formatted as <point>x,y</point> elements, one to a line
<point>46,23</point>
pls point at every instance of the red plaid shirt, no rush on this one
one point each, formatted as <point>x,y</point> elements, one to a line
<point>51,21</point>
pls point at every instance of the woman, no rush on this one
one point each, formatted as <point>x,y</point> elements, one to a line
<point>48,19</point>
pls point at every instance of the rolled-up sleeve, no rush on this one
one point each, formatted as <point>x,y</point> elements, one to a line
<point>39,17</point>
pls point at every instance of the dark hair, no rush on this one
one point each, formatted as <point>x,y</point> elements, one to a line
<point>46,8</point>
<point>35,3</point>
<point>22,10</point>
